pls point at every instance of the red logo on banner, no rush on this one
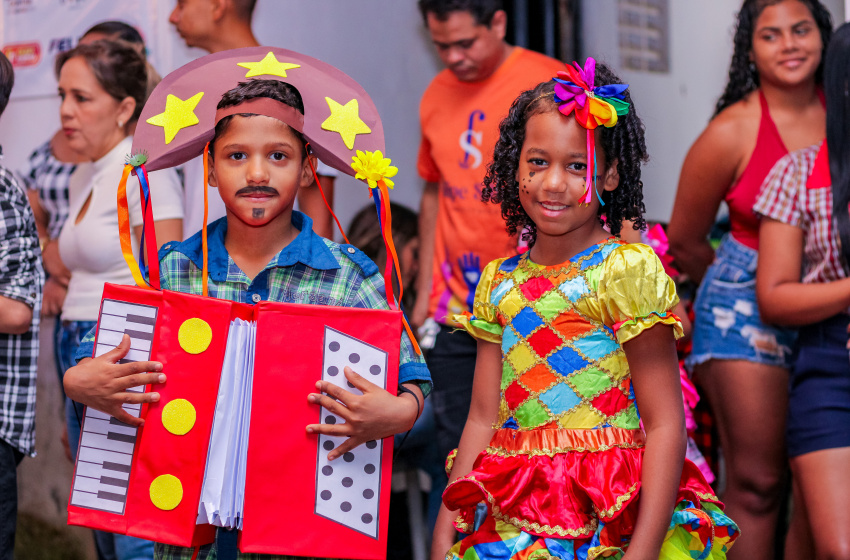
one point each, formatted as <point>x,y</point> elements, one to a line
<point>23,54</point>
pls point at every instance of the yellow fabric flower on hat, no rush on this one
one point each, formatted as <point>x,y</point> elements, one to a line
<point>373,167</point>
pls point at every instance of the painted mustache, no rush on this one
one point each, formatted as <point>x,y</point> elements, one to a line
<point>261,189</point>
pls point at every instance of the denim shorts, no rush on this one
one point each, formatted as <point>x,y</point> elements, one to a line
<point>819,389</point>
<point>727,324</point>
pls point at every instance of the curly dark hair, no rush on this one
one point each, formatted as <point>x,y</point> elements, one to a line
<point>743,76</point>
<point>623,142</point>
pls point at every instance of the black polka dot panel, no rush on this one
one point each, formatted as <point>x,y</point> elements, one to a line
<point>347,489</point>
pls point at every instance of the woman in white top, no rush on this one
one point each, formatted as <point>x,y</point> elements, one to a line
<point>103,89</point>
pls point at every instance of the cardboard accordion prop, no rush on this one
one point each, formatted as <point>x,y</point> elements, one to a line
<point>226,443</point>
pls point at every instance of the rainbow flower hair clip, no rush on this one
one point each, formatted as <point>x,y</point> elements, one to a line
<point>592,107</point>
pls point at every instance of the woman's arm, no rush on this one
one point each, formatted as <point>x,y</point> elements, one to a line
<point>41,217</point>
<point>655,379</point>
<point>483,412</point>
<point>166,230</point>
<point>782,298</point>
<point>707,173</point>
<point>310,202</point>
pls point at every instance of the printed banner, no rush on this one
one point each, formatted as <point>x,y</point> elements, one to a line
<point>35,31</point>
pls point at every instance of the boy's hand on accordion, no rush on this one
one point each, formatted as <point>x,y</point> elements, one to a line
<point>102,382</point>
<point>373,415</point>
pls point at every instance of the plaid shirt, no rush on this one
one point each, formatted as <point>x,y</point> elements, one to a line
<point>21,278</point>
<point>799,193</point>
<point>310,270</point>
<point>49,177</point>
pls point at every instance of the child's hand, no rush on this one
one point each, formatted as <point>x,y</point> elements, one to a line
<point>373,415</point>
<point>102,383</point>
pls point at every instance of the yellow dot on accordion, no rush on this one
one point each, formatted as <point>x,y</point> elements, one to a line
<point>194,335</point>
<point>166,492</point>
<point>178,416</point>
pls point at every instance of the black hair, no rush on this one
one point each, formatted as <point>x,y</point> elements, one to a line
<point>365,234</point>
<point>119,68</point>
<point>482,10</point>
<point>624,142</point>
<point>117,30</point>
<point>743,75</point>
<point>837,92</point>
<point>7,80</point>
<point>365,231</point>
<point>253,89</point>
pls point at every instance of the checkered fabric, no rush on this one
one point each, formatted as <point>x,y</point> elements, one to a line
<point>49,177</point>
<point>21,279</point>
<point>789,195</point>
<point>310,270</point>
<point>559,365</point>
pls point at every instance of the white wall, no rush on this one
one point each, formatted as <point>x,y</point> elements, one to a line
<point>383,45</point>
<point>674,107</point>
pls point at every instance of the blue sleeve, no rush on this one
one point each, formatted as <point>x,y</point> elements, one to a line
<point>86,348</point>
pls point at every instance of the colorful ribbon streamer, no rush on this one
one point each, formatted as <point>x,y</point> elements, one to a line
<point>592,106</point>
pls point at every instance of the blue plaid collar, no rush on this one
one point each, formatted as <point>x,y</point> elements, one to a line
<point>307,248</point>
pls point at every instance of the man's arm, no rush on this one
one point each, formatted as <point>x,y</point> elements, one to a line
<point>15,316</point>
<point>21,276</point>
<point>428,209</point>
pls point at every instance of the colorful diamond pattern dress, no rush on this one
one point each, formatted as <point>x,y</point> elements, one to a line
<point>561,476</point>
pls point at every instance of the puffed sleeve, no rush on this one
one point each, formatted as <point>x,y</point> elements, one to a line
<point>483,323</point>
<point>635,293</point>
<point>782,195</point>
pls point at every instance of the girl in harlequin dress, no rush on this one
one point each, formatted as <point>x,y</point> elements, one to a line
<point>574,337</point>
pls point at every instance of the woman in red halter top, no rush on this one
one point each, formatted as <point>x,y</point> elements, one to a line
<point>772,105</point>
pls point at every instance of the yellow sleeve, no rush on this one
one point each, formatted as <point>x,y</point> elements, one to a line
<point>635,293</point>
<point>483,323</point>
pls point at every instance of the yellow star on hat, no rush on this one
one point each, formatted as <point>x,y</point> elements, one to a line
<point>178,115</point>
<point>269,66</point>
<point>346,120</point>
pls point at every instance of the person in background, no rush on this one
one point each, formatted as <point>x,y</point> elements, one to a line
<point>103,86</point>
<point>365,234</point>
<point>772,104</point>
<point>46,175</point>
<point>21,279</point>
<point>805,227</point>
<point>215,26</point>
<point>418,448</point>
<point>459,115</point>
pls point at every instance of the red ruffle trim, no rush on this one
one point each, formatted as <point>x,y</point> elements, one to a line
<point>560,490</point>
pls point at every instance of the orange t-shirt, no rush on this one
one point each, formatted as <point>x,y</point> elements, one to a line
<point>460,127</point>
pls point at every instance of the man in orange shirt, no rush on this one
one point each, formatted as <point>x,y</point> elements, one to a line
<point>460,114</point>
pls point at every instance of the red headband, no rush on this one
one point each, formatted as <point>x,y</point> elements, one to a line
<point>267,107</point>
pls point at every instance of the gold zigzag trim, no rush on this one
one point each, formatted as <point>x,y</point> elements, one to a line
<point>707,496</point>
<point>528,526</point>
<point>622,499</point>
<point>549,530</point>
<point>502,452</point>
<point>462,526</point>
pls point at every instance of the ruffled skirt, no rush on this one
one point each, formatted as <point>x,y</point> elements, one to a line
<point>573,495</point>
